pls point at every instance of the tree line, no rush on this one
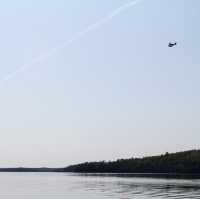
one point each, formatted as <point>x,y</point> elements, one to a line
<point>180,162</point>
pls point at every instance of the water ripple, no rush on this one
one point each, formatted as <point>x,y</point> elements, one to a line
<point>142,188</point>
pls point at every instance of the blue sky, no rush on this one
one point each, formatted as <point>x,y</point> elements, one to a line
<point>117,92</point>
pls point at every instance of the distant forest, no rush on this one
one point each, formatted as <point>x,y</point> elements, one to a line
<point>181,162</point>
<point>187,162</point>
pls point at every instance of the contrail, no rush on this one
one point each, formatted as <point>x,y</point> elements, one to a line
<point>76,37</point>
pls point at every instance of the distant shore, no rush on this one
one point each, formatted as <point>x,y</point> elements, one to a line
<point>184,164</point>
<point>127,175</point>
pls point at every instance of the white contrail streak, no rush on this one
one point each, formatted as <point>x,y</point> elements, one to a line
<point>76,37</point>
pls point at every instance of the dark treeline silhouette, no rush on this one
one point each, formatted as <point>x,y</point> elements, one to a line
<point>181,162</point>
<point>25,169</point>
<point>187,162</point>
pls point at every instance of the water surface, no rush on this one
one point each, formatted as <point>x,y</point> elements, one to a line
<point>79,186</point>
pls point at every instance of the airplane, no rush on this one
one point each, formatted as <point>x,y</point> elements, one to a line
<point>172,44</point>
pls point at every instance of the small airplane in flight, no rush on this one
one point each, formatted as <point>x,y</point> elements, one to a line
<point>172,44</point>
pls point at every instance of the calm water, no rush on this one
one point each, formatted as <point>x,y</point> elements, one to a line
<point>74,186</point>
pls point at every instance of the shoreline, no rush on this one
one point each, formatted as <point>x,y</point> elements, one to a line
<point>111,174</point>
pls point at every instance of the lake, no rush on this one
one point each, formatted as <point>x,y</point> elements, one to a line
<point>80,186</point>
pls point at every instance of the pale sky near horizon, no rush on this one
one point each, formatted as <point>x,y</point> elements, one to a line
<point>117,92</point>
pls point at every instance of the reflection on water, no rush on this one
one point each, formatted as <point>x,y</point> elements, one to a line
<point>120,186</point>
<point>82,186</point>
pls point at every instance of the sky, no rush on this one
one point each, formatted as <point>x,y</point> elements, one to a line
<point>116,92</point>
